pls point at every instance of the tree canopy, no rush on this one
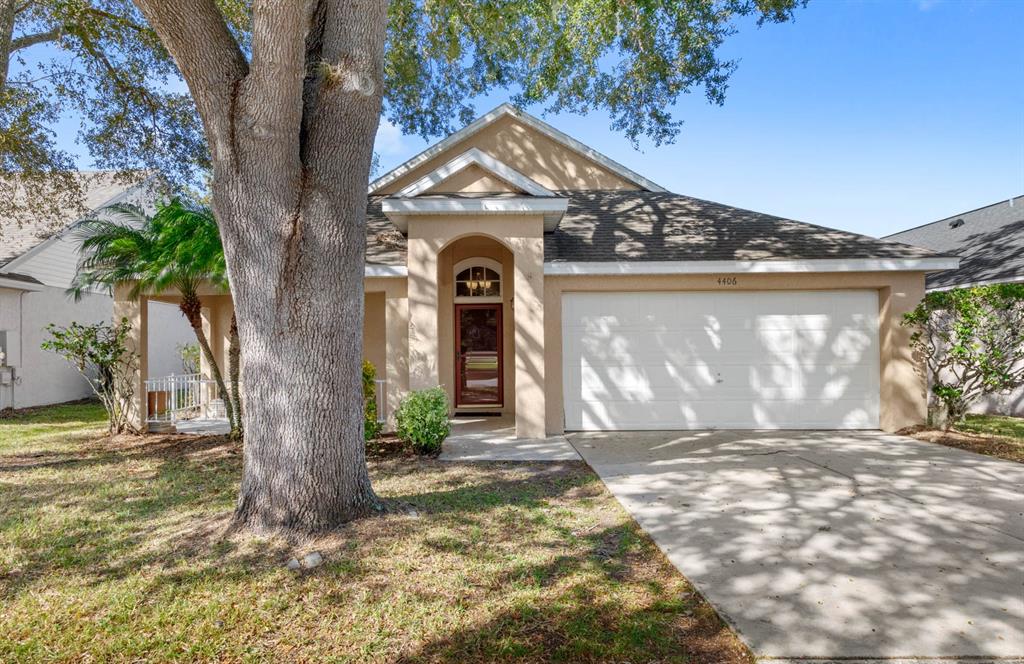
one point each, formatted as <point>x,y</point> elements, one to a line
<point>98,62</point>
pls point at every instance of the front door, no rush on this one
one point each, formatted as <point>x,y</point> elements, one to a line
<point>478,355</point>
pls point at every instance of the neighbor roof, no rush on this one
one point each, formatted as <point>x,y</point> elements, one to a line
<point>606,226</point>
<point>101,188</point>
<point>989,240</point>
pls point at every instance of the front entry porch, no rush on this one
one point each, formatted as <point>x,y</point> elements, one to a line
<point>494,439</point>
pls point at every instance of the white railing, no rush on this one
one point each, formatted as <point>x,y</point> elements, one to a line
<point>173,398</point>
<point>381,391</point>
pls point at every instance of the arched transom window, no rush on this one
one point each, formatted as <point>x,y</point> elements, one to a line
<point>477,279</point>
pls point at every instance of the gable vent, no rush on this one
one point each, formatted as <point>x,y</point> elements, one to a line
<point>956,223</point>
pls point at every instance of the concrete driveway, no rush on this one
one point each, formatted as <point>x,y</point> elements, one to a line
<point>833,544</point>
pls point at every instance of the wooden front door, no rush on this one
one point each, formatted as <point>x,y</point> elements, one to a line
<point>478,379</point>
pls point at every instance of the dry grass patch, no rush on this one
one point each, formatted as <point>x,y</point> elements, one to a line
<point>991,435</point>
<point>119,551</point>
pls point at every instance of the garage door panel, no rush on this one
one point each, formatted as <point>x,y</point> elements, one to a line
<point>611,415</point>
<point>740,360</point>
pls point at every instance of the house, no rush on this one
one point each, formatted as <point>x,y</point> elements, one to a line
<point>990,243</point>
<point>35,271</point>
<point>534,277</point>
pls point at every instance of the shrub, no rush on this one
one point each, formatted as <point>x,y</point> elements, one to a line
<point>423,420</point>
<point>971,341</point>
<point>100,353</point>
<point>371,427</point>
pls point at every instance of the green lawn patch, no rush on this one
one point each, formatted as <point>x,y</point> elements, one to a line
<point>118,550</point>
<point>994,425</point>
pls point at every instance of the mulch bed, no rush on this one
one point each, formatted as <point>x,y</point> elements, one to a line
<point>993,446</point>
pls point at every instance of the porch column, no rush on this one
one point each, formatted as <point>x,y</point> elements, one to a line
<point>422,280</point>
<point>396,318</point>
<point>528,315</point>
<point>136,311</point>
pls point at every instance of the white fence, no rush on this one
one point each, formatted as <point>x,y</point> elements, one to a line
<point>382,400</point>
<point>188,396</point>
<point>183,397</point>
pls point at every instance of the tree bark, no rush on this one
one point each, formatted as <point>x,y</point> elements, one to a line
<point>291,135</point>
<point>8,15</point>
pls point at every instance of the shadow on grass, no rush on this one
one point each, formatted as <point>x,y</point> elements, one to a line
<point>497,561</point>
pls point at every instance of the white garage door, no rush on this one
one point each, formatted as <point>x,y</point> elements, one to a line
<point>740,360</point>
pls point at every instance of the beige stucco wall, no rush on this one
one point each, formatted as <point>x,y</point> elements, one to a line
<point>533,154</point>
<point>902,389</point>
<point>472,179</point>
<point>390,335</point>
<point>429,352</point>
<point>374,327</point>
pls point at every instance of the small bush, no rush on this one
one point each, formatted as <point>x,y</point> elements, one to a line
<point>423,420</point>
<point>371,427</point>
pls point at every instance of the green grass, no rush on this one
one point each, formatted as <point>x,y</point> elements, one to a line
<point>63,426</point>
<point>118,551</point>
<point>994,425</point>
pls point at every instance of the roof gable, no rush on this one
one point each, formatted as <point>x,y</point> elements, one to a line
<point>474,157</point>
<point>530,146</point>
<point>473,180</point>
<point>54,261</point>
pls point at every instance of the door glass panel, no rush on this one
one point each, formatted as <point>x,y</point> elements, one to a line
<point>479,360</point>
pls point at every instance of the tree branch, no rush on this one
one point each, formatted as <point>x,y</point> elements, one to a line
<point>208,57</point>
<point>277,72</point>
<point>25,41</point>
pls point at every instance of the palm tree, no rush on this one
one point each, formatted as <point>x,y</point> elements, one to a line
<point>178,247</point>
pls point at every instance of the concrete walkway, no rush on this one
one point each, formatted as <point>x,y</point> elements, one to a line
<point>494,439</point>
<point>833,544</point>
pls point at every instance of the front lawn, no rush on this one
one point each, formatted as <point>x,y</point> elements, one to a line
<point>116,551</point>
<point>992,435</point>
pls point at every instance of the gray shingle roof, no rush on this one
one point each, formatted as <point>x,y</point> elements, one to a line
<point>16,239</point>
<point>661,226</point>
<point>990,241</point>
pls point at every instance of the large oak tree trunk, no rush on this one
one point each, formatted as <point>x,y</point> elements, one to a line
<point>291,136</point>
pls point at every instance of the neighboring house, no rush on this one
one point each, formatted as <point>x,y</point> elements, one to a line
<point>35,272</point>
<point>532,276</point>
<point>990,243</point>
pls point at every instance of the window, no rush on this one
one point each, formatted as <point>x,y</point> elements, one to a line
<point>477,279</point>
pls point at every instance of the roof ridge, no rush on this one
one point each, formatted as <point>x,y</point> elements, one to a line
<point>503,109</point>
<point>1005,201</point>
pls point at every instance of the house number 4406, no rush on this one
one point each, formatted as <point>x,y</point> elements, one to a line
<point>727,281</point>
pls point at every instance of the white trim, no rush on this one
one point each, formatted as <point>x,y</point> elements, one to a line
<point>376,270</point>
<point>475,157</point>
<point>985,282</point>
<point>529,120</point>
<point>757,266</point>
<point>398,209</point>
<point>477,261</point>
<point>18,284</point>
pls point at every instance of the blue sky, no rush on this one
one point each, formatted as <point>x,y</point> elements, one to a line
<point>871,116</point>
<point>867,116</point>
